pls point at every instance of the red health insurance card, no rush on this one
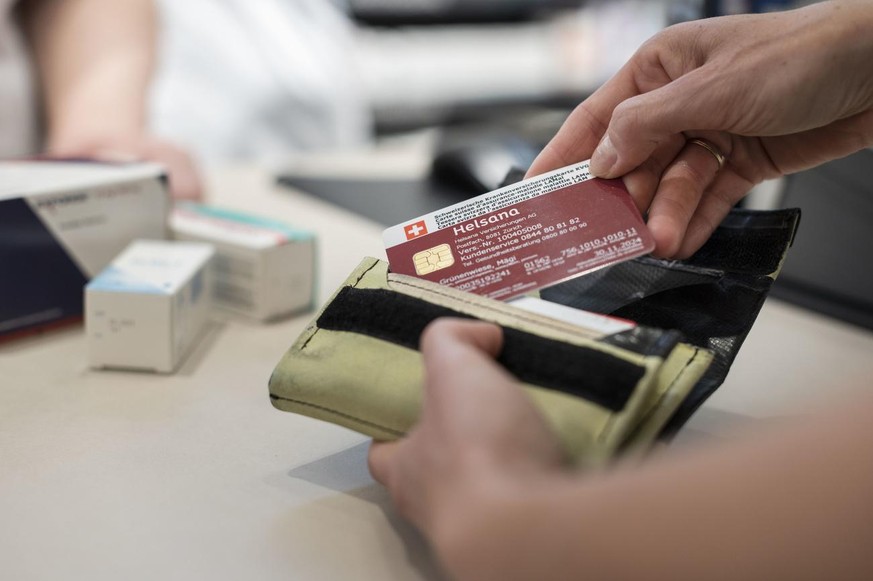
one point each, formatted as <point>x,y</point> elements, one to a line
<point>523,237</point>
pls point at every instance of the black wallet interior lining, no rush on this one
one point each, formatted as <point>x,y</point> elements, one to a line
<point>400,319</point>
<point>713,298</point>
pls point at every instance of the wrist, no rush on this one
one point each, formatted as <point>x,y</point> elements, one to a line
<point>87,119</point>
<point>482,525</point>
<point>94,140</point>
<point>464,526</point>
<point>845,28</point>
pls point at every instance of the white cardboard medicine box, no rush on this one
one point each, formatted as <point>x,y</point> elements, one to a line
<point>147,309</point>
<point>263,268</point>
<point>61,223</point>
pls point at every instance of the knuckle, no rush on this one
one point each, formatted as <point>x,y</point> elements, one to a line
<point>675,202</point>
<point>703,227</point>
<point>625,121</point>
<point>652,47</point>
<point>584,116</point>
<point>691,175</point>
<point>723,197</point>
<point>441,326</point>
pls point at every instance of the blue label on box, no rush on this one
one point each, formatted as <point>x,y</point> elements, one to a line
<point>114,279</point>
<point>248,220</point>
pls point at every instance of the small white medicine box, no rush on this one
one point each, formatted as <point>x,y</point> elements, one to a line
<point>264,269</point>
<point>147,309</point>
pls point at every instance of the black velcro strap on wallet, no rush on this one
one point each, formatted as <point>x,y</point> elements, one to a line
<point>400,319</point>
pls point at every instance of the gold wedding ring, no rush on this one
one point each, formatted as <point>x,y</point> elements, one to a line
<point>716,153</point>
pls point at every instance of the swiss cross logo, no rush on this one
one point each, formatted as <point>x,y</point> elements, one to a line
<point>415,230</point>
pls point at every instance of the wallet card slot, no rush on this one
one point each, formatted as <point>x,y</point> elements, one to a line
<point>640,340</point>
<point>464,301</point>
<point>611,288</point>
<point>594,375</point>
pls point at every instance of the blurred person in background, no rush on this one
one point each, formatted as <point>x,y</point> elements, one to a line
<point>171,82</point>
<point>74,82</point>
<point>18,109</point>
<point>243,80</point>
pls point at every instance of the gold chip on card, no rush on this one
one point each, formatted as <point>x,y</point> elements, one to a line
<point>433,259</point>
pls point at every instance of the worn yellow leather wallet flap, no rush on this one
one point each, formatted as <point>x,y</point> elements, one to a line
<point>358,365</point>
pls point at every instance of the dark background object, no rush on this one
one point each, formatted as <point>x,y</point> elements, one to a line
<point>479,163</point>
<point>830,267</point>
<point>40,284</point>
<point>726,7</point>
<point>469,161</point>
<point>713,298</point>
<point>423,12</point>
<point>386,202</point>
<point>440,12</point>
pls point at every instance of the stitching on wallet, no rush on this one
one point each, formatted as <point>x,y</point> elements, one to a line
<point>644,418</point>
<point>317,328</point>
<point>397,433</point>
<point>672,383</point>
<point>363,274</point>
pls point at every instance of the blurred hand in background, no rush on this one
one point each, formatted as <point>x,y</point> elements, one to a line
<point>94,61</point>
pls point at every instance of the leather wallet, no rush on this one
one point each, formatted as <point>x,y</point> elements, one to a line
<point>357,365</point>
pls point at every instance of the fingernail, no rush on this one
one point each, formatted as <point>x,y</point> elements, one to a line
<point>604,158</point>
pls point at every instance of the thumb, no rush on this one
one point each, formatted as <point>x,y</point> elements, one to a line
<point>380,459</point>
<point>459,362</point>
